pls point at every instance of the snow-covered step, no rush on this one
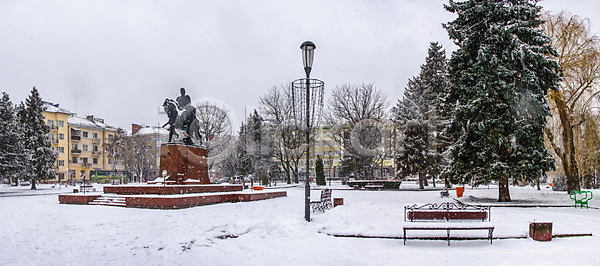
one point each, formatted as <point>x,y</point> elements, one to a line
<point>109,201</point>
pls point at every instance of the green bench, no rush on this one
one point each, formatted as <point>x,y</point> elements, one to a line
<point>581,198</point>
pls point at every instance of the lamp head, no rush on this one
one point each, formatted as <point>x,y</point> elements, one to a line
<point>308,53</point>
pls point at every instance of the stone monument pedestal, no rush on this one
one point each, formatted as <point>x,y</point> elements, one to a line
<point>185,164</point>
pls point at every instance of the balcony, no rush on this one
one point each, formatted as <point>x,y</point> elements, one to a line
<point>53,128</point>
<point>96,153</point>
<point>75,151</point>
<point>77,138</point>
<point>54,141</point>
<point>86,164</point>
<point>95,140</point>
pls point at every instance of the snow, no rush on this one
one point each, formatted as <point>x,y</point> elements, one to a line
<point>37,230</point>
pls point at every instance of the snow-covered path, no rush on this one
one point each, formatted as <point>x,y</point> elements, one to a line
<point>36,230</point>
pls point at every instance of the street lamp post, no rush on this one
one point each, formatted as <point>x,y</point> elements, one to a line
<point>308,52</point>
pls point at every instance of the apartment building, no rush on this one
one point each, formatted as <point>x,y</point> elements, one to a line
<point>79,143</point>
<point>332,155</point>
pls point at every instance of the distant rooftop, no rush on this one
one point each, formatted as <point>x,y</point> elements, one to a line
<point>55,108</point>
<point>153,130</point>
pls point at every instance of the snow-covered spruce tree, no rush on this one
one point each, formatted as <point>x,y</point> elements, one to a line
<point>410,114</point>
<point>499,76</point>
<point>12,154</point>
<point>434,77</point>
<point>421,119</point>
<point>319,173</point>
<point>40,156</point>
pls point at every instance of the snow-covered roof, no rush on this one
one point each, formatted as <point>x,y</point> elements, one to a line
<point>55,108</point>
<point>80,121</point>
<point>152,131</point>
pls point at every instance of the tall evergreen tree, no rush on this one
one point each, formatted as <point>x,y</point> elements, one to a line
<point>12,154</point>
<point>499,76</point>
<point>421,120</point>
<point>41,157</point>
<point>411,113</point>
<point>319,173</point>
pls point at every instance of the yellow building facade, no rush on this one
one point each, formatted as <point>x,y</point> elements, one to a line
<point>79,143</point>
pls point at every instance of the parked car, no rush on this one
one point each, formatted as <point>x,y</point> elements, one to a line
<point>25,183</point>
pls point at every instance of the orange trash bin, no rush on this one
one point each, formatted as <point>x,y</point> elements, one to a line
<point>459,191</point>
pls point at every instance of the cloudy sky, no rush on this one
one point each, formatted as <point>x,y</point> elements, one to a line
<point>119,60</point>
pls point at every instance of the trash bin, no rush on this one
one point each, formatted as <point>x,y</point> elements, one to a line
<point>459,191</point>
<point>540,230</point>
<point>338,201</point>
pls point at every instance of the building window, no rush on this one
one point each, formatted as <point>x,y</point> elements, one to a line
<point>60,123</point>
<point>50,123</point>
<point>95,135</point>
<point>316,144</point>
<point>74,147</point>
<point>95,160</point>
<point>95,148</point>
<point>84,134</point>
<point>61,136</point>
<point>85,147</point>
<point>61,163</point>
<point>51,136</point>
<point>74,159</point>
<point>60,149</point>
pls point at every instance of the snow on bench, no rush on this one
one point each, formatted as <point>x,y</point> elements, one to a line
<point>447,216</point>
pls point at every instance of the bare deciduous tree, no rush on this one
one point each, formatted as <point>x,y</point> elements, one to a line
<point>287,138</point>
<point>574,125</point>
<point>356,120</point>
<point>216,130</point>
<point>139,155</point>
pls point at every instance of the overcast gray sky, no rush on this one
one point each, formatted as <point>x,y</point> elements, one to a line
<point>119,60</point>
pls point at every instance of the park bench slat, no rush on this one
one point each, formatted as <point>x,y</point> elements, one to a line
<point>445,216</point>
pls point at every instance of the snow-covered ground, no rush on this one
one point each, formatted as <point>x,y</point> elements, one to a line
<point>37,230</point>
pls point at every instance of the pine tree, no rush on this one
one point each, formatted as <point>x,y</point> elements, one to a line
<point>421,120</point>
<point>410,113</point>
<point>12,154</point>
<point>319,173</point>
<point>499,76</point>
<point>41,157</point>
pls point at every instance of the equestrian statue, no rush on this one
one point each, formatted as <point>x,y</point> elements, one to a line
<point>182,118</point>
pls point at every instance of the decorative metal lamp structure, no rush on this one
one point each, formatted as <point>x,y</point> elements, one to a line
<point>307,96</point>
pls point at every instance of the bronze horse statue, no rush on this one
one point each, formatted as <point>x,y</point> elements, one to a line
<point>184,119</point>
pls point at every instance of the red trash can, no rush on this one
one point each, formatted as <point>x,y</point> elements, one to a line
<point>540,230</point>
<point>459,191</point>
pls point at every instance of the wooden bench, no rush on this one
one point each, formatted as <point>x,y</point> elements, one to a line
<point>374,186</point>
<point>444,193</point>
<point>324,203</point>
<point>447,216</point>
<point>87,188</point>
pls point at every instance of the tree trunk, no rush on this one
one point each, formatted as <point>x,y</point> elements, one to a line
<point>503,192</point>
<point>33,184</point>
<point>568,155</point>
<point>422,180</point>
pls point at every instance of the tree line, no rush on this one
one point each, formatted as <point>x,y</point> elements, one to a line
<point>26,152</point>
<point>518,98</point>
